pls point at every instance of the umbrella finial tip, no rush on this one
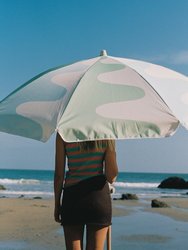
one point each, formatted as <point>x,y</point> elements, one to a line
<point>103,53</point>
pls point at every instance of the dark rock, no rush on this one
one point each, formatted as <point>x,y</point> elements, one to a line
<point>37,198</point>
<point>157,203</point>
<point>174,182</point>
<point>21,196</point>
<point>2,187</point>
<point>128,196</point>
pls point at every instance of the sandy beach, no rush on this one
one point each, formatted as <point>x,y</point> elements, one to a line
<point>28,224</point>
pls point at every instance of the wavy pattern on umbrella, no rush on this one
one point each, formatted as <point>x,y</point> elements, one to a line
<point>112,94</point>
<point>35,107</point>
<point>103,97</point>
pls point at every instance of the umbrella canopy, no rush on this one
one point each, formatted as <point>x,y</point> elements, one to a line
<point>100,98</point>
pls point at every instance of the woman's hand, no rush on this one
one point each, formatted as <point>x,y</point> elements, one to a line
<point>57,214</point>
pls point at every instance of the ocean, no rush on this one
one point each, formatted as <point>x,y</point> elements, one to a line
<point>39,183</point>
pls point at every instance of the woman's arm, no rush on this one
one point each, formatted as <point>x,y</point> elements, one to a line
<point>111,167</point>
<point>60,160</point>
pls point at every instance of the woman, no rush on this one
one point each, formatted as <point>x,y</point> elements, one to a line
<point>86,196</point>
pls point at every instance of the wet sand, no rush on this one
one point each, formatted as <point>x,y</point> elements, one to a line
<point>29,224</point>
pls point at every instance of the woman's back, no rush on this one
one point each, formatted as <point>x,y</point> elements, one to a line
<point>83,162</point>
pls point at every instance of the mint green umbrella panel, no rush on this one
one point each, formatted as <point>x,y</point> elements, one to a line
<point>101,98</point>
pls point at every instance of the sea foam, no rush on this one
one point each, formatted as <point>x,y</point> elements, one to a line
<point>19,181</point>
<point>136,184</point>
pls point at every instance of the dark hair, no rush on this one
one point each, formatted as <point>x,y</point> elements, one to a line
<point>99,144</point>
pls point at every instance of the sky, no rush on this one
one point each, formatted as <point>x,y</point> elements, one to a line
<point>36,35</point>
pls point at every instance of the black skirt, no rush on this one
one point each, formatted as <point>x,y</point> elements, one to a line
<point>87,203</point>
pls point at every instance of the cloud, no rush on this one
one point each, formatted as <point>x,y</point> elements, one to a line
<point>177,58</point>
<point>180,58</point>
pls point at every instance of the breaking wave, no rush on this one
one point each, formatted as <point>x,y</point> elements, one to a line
<point>21,181</point>
<point>136,185</point>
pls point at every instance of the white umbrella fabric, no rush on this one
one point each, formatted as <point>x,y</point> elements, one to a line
<point>101,98</point>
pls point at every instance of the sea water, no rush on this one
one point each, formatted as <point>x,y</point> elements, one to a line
<point>32,183</point>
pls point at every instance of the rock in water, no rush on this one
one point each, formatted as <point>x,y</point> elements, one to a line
<point>174,182</point>
<point>157,203</point>
<point>2,187</point>
<point>128,196</point>
<point>37,198</point>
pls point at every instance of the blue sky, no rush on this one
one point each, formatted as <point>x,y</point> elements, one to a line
<point>40,34</point>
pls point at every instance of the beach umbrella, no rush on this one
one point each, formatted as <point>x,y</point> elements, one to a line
<point>100,98</point>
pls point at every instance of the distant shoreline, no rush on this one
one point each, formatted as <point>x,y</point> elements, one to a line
<point>128,172</point>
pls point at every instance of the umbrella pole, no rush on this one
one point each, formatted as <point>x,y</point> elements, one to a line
<point>108,238</point>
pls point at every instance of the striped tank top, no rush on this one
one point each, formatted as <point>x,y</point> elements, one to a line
<point>82,165</point>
